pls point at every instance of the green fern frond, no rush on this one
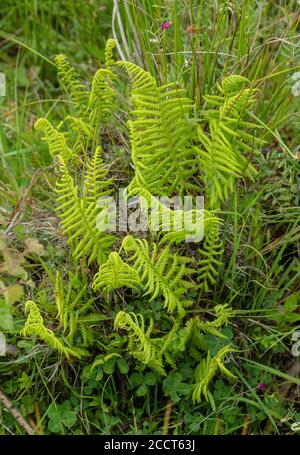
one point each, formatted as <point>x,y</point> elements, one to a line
<point>115,274</point>
<point>95,183</point>
<point>140,344</point>
<point>101,100</point>
<point>205,372</point>
<point>221,155</point>
<point>91,318</point>
<point>102,97</point>
<point>70,301</point>
<point>78,217</point>
<point>35,326</point>
<point>209,264</point>
<point>71,82</point>
<point>56,140</point>
<point>160,271</point>
<point>161,135</point>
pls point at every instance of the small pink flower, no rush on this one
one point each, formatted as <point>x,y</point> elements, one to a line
<point>166,25</point>
<point>261,387</point>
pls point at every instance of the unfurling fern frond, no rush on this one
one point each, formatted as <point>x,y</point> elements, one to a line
<point>35,326</point>
<point>161,135</point>
<point>221,154</point>
<point>140,345</point>
<point>56,140</point>
<point>78,217</point>
<point>209,264</point>
<point>161,272</point>
<point>109,60</point>
<point>71,82</point>
<point>115,274</point>
<point>233,84</point>
<point>205,372</point>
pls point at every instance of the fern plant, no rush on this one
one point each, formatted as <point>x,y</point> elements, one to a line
<point>35,326</point>
<point>92,108</point>
<point>56,140</point>
<point>160,352</point>
<point>75,317</point>
<point>140,344</point>
<point>176,150</point>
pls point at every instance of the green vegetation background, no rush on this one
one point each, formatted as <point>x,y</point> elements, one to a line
<point>202,43</point>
